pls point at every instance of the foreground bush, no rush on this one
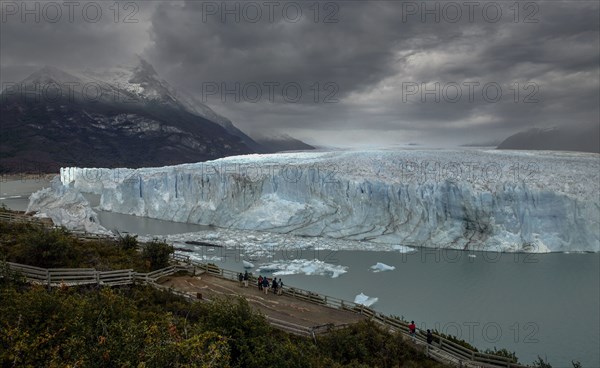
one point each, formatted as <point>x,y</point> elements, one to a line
<point>157,254</point>
<point>39,246</point>
<point>143,327</point>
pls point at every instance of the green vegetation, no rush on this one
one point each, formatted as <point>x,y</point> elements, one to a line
<point>144,327</point>
<point>157,254</point>
<point>455,340</point>
<point>40,246</point>
<point>128,241</point>
<point>503,353</point>
<point>541,363</point>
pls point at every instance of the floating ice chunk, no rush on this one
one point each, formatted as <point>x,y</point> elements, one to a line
<point>201,258</point>
<point>472,256</point>
<point>365,300</point>
<point>382,267</point>
<point>403,248</point>
<point>248,264</point>
<point>304,267</point>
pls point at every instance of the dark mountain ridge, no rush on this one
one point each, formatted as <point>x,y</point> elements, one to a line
<point>585,139</point>
<point>115,118</point>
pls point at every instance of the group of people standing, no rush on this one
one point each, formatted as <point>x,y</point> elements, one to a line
<point>243,279</point>
<point>263,283</point>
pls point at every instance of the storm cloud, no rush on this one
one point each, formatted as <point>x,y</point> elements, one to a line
<point>345,73</point>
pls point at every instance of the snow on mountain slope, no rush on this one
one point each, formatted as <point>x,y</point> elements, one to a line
<point>142,83</point>
<point>131,84</point>
<point>464,199</point>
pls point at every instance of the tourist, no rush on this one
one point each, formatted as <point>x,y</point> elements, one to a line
<point>412,330</point>
<point>429,337</point>
<point>260,282</point>
<point>265,284</point>
<point>246,279</point>
<point>240,278</point>
<point>274,285</point>
<point>280,287</point>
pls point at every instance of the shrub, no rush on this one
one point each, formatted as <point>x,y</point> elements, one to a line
<point>541,363</point>
<point>503,353</point>
<point>128,241</point>
<point>157,254</point>
<point>47,248</point>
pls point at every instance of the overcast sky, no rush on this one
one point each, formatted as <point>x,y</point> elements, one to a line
<point>339,73</point>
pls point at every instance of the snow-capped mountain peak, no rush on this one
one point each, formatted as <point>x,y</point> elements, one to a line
<point>138,82</point>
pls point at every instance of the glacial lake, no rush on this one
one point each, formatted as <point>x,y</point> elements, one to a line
<point>533,304</point>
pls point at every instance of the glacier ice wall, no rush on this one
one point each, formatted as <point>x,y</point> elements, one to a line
<point>66,207</point>
<point>465,199</point>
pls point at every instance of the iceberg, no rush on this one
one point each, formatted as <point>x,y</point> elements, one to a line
<point>303,267</point>
<point>247,264</point>
<point>379,267</point>
<point>462,199</point>
<point>365,300</point>
<point>404,249</point>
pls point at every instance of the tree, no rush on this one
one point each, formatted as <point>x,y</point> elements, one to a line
<point>157,254</point>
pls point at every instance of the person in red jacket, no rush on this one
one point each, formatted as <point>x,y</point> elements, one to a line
<point>412,330</point>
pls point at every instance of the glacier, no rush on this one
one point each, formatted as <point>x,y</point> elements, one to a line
<point>463,199</point>
<point>65,206</point>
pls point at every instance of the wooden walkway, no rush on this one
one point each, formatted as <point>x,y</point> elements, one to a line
<point>304,318</point>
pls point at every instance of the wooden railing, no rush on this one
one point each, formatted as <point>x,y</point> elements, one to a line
<point>53,277</point>
<point>441,349</point>
<point>291,327</point>
<point>17,217</point>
